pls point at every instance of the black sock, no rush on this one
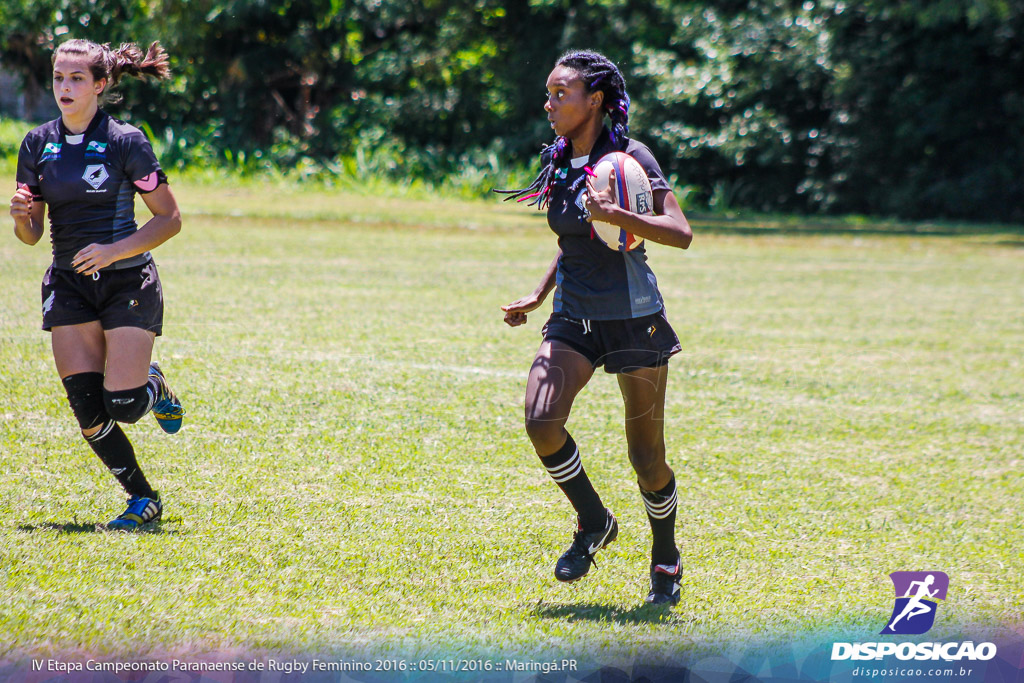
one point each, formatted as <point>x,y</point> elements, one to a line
<point>661,513</point>
<point>566,468</point>
<point>116,452</point>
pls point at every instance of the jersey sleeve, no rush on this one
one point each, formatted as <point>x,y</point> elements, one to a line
<point>650,166</point>
<point>27,175</point>
<point>140,164</point>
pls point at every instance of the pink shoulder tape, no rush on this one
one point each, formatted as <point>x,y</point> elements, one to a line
<point>149,183</point>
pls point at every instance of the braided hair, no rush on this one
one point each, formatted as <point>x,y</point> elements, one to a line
<point>112,63</point>
<point>598,73</point>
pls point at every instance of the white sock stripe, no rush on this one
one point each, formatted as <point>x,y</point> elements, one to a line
<point>566,475</point>
<point>104,430</point>
<point>661,504</point>
<point>573,462</point>
<point>660,515</point>
<point>661,510</point>
<point>562,470</point>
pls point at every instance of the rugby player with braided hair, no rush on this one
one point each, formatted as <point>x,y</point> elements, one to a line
<point>607,311</point>
<point>101,297</point>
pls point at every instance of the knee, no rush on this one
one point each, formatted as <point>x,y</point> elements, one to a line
<point>128,405</point>
<point>546,434</point>
<point>647,461</point>
<point>85,395</point>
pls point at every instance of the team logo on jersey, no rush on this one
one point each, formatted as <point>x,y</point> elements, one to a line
<point>51,151</point>
<point>580,206</point>
<point>917,594</point>
<point>95,175</point>
<point>95,149</point>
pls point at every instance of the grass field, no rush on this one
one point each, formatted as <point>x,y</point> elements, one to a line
<point>353,474</point>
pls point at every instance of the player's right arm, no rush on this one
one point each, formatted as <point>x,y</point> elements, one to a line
<point>27,204</point>
<point>515,312</point>
<point>28,216</point>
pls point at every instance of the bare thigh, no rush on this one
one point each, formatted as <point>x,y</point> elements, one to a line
<point>79,348</point>
<point>129,352</point>
<point>558,374</point>
<point>122,354</point>
<point>643,395</point>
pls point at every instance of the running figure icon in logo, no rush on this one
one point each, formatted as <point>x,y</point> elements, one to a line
<point>916,596</point>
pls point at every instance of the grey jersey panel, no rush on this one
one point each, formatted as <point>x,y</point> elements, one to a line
<point>594,282</point>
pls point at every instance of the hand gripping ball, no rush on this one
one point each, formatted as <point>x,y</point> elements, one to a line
<point>632,193</point>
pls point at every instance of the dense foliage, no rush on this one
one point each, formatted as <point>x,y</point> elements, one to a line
<point>912,108</point>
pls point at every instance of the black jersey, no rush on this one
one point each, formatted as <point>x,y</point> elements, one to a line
<point>89,182</point>
<point>594,282</point>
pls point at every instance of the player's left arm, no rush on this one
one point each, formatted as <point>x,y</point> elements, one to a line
<point>165,224</point>
<point>666,226</point>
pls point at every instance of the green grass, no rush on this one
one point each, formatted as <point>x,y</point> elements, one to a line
<point>353,474</point>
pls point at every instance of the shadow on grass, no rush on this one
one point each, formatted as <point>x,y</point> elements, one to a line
<point>88,528</point>
<point>589,611</point>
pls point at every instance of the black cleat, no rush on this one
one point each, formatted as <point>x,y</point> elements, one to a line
<point>665,584</point>
<point>575,562</point>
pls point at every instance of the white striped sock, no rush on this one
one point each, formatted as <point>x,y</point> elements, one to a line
<point>152,392</point>
<point>661,508</point>
<point>568,469</point>
<point>104,430</point>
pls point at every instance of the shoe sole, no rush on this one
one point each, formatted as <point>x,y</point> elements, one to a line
<point>128,529</point>
<point>667,601</point>
<point>169,422</point>
<point>170,426</point>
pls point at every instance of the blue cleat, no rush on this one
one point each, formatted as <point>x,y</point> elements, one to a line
<point>167,408</point>
<point>140,511</point>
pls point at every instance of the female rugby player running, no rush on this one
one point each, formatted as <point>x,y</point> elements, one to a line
<point>607,311</point>
<point>102,300</point>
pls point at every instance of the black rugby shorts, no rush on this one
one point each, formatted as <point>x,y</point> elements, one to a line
<point>130,297</point>
<point>618,345</point>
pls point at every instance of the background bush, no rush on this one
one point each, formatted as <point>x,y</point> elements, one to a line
<point>912,108</point>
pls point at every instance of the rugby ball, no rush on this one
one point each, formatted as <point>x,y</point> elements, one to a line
<point>632,192</point>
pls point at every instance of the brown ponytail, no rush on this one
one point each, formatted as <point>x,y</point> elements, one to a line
<point>128,59</point>
<point>112,64</point>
